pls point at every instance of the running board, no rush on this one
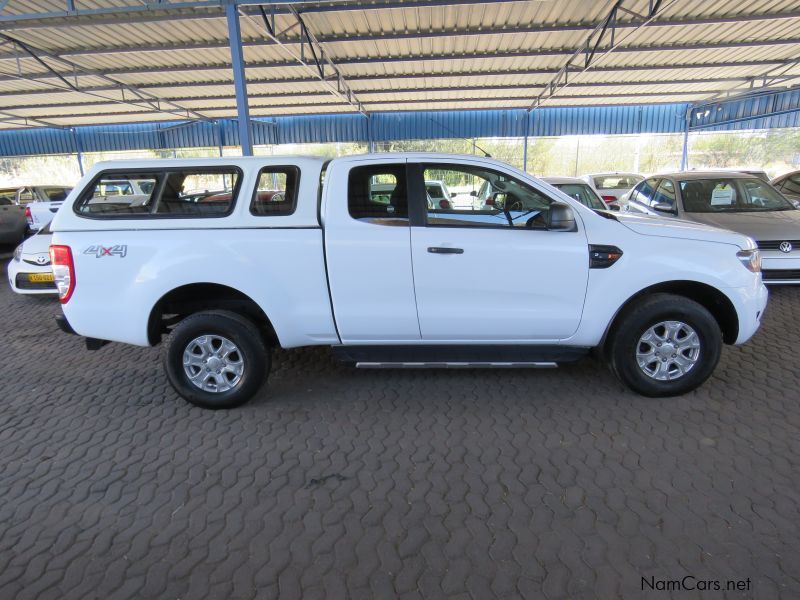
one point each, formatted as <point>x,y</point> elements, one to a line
<point>452,356</point>
<point>456,365</point>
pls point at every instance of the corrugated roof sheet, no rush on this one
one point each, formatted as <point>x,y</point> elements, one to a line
<point>396,56</point>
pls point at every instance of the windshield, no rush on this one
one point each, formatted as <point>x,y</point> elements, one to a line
<point>616,182</point>
<point>56,194</point>
<point>583,194</point>
<point>731,195</point>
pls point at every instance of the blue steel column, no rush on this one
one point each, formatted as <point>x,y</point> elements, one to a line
<point>525,146</point>
<point>239,80</point>
<point>685,152</point>
<point>78,149</point>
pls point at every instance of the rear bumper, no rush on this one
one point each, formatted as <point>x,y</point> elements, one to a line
<point>91,343</point>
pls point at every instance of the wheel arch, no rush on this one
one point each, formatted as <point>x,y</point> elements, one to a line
<point>185,300</point>
<point>715,301</point>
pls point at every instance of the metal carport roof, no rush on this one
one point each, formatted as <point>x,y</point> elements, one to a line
<point>78,62</point>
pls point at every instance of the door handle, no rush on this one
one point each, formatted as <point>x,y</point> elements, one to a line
<point>445,250</point>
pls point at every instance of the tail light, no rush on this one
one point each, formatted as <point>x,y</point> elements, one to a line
<point>490,202</point>
<point>63,271</point>
<point>610,198</point>
<point>29,216</point>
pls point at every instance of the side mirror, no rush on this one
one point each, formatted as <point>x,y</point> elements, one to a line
<point>560,217</point>
<point>452,194</point>
<point>664,207</point>
<point>614,207</point>
<point>473,193</point>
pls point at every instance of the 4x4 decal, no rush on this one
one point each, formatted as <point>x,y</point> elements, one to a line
<point>99,251</point>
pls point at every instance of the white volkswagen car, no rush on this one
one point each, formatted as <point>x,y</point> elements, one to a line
<point>29,272</point>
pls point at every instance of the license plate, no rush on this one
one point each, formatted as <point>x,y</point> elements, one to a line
<point>40,277</point>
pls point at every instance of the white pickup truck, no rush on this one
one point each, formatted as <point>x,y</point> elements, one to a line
<point>288,252</point>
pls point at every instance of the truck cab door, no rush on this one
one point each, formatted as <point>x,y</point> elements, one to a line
<point>491,272</point>
<point>368,252</point>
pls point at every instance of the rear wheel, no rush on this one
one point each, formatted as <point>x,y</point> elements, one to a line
<point>666,345</point>
<point>216,359</point>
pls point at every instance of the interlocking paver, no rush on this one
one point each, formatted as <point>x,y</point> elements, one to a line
<point>341,483</point>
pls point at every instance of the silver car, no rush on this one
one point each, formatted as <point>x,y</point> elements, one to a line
<point>580,190</point>
<point>788,184</point>
<point>735,201</point>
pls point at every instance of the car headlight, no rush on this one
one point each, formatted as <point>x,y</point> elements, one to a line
<point>751,259</point>
<point>18,253</point>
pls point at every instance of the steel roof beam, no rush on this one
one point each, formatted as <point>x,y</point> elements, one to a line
<point>69,80</point>
<point>442,75</point>
<point>312,57</point>
<point>295,40</point>
<point>583,58</point>
<point>404,35</point>
<point>411,90</point>
<point>443,58</point>
<point>302,108</point>
<point>168,10</point>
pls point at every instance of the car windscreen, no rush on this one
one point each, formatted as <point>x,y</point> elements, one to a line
<point>583,194</point>
<point>56,194</point>
<point>721,194</point>
<point>616,182</point>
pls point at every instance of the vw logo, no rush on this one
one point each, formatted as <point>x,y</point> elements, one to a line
<point>785,247</point>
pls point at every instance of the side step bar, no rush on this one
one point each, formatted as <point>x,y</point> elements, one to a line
<point>432,356</point>
<point>456,365</point>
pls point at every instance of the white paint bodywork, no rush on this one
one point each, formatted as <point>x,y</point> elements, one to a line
<point>324,278</point>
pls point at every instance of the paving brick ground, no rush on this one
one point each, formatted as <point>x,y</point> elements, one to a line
<point>376,484</point>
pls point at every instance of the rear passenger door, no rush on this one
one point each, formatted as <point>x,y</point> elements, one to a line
<point>368,252</point>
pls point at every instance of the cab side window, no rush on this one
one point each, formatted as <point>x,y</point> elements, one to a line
<point>483,198</point>
<point>645,192</point>
<point>791,185</point>
<point>665,194</point>
<point>378,194</point>
<point>276,192</point>
<point>26,196</point>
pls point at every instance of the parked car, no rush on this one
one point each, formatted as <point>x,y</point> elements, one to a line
<point>735,201</point>
<point>13,225</point>
<point>39,202</point>
<point>29,272</point>
<point>580,190</point>
<point>387,281</point>
<point>760,173</point>
<point>788,184</point>
<point>439,194</point>
<point>612,186</point>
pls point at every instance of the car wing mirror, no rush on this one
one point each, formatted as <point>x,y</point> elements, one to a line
<point>664,207</point>
<point>560,217</point>
<point>614,207</point>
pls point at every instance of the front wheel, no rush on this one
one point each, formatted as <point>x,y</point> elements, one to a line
<point>666,346</point>
<point>216,359</point>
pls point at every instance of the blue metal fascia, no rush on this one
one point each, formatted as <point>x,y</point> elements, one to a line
<point>762,110</point>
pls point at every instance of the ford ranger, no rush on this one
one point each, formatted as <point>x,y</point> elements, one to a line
<point>228,258</point>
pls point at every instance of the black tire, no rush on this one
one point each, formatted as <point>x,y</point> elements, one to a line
<point>249,343</point>
<point>649,312</point>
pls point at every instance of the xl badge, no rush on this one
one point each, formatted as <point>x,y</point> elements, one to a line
<point>98,251</point>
